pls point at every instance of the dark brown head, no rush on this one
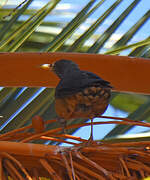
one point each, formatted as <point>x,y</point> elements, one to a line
<point>61,66</point>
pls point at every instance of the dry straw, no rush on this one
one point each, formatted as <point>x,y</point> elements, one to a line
<point>23,159</point>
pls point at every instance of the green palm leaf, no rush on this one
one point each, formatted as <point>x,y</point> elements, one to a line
<point>104,37</point>
<point>68,30</point>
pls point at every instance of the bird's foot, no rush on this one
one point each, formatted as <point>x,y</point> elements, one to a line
<point>89,142</point>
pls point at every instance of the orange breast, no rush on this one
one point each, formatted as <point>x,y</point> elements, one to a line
<point>90,102</point>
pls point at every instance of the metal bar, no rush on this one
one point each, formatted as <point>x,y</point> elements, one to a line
<point>126,74</point>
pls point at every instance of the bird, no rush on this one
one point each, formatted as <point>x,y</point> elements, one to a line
<point>79,93</point>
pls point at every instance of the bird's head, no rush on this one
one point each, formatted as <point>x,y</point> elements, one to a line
<point>61,66</point>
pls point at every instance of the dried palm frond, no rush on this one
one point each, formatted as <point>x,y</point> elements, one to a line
<point>98,160</point>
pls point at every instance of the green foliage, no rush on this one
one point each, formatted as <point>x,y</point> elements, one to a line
<point>128,102</point>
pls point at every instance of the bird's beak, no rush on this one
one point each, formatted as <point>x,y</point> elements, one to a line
<point>47,66</point>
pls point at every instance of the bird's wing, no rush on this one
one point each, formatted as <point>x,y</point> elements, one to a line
<point>76,82</point>
<point>101,81</point>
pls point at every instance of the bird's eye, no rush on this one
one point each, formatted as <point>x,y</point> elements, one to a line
<point>51,65</point>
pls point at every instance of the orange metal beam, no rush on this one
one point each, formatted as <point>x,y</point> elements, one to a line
<point>125,73</point>
<point>28,149</point>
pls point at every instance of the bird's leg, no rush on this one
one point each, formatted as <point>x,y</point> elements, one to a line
<point>62,123</point>
<point>90,140</point>
<point>91,134</point>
